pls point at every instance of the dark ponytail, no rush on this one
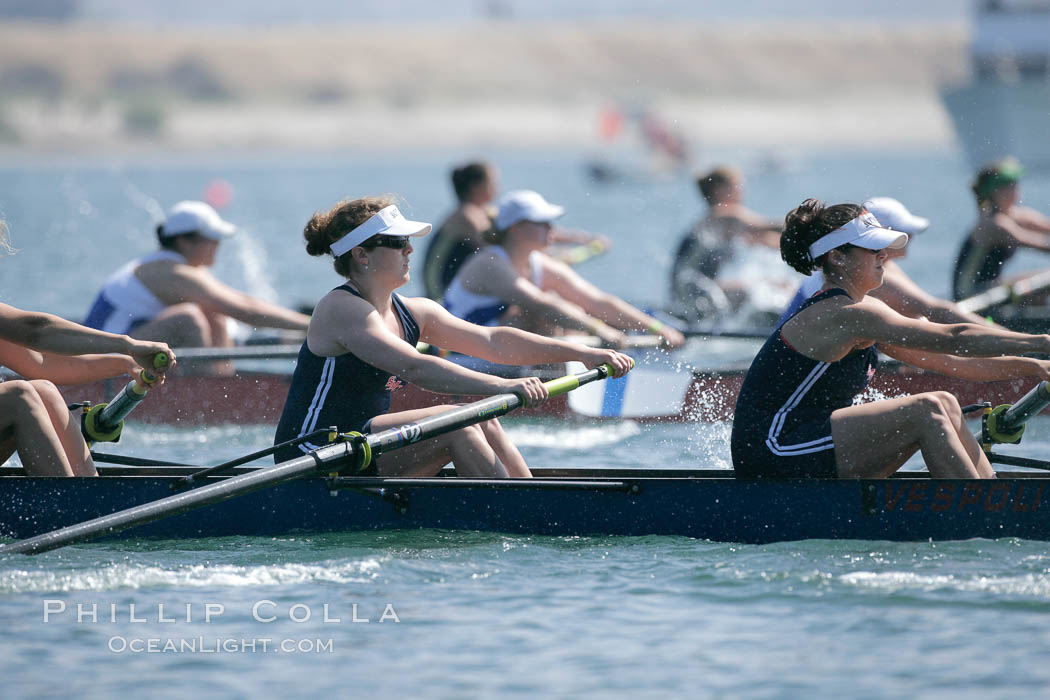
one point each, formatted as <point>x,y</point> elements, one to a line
<point>805,224</point>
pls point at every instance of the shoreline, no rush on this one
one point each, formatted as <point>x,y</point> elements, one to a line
<point>505,85</point>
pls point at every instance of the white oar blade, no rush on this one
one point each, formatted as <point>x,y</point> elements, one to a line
<point>650,390</point>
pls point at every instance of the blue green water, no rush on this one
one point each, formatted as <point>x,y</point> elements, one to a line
<point>486,614</point>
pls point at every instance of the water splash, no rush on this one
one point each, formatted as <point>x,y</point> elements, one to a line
<point>139,576</point>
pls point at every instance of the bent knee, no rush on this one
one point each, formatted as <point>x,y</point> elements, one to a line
<point>46,390</point>
<point>188,313</point>
<point>22,391</point>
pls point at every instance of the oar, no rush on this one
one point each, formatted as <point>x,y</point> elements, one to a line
<point>245,352</point>
<point>332,458</point>
<point>1005,424</point>
<point>581,253</point>
<point>104,422</point>
<point>1006,293</point>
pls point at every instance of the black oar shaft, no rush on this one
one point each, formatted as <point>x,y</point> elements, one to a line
<point>173,505</point>
<point>1027,406</point>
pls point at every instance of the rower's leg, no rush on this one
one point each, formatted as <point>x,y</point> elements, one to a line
<point>38,445</point>
<point>180,325</point>
<point>506,450</point>
<point>67,425</point>
<point>966,437</point>
<point>467,448</point>
<point>873,440</point>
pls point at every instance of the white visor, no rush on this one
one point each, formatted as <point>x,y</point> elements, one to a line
<point>387,221</point>
<point>864,231</point>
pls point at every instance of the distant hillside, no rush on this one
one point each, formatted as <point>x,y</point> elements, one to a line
<point>139,81</point>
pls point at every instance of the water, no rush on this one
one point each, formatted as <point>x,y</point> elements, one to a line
<point>487,614</point>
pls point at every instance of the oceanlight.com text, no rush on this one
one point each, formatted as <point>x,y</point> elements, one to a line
<point>218,645</point>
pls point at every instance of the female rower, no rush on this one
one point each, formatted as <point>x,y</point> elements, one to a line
<point>171,295</point>
<point>48,350</point>
<point>464,231</point>
<point>795,415</point>
<point>898,290</point>
<point>1003,227</point>
<point>513,282</point>
<point>361,346</point>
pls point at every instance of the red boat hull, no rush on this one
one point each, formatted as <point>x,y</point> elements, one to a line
<point>257,398</point>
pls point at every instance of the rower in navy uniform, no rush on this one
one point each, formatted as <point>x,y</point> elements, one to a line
<point>797,415</point>
<point>361,346</point>
<point>1003,227</point>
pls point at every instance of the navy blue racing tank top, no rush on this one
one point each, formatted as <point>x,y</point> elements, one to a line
<point>782,426</point>
<point>978,267</point>
<point>343,391</point>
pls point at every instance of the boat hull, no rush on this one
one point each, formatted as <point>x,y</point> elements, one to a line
<point>257,398</point>
<point>707,505</point>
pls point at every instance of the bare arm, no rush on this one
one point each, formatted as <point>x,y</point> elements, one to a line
<point>502,344</point>
<point>909,299</point>
<point>1031,219</point>
<point>1035,237</point>
<point>48,333</point>
<point>874,320</point>
<point>492,276</point>
<point>189,284</point>
<point>611,309</point>
<point>343,323</point>
<point>63,369</point>
<point>976,369</point>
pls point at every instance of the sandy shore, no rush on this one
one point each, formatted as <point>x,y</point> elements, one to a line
<point>494,85</point>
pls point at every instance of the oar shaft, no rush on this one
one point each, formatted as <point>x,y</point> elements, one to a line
<point>172,505</point>
<point>1030,404</point>
<point>485,409</point>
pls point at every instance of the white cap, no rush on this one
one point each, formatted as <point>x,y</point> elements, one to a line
<point>387,221</point>
<point>197,217</point>
<point>525,205</point>
<point>863,231</point>
<point>892,214</point>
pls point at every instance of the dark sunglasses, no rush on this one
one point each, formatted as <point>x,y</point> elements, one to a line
<point>395,242</point>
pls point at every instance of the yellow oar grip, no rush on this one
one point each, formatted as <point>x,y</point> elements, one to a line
<point>147,378</point>
<point>562,385</point>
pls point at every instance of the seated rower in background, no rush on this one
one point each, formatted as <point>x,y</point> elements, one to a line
<point>514,282</point>
<point>1003,227</point>
<point>171,295</point>
<point>47,350</point>
<point>463,232</point>
<point>718,263</point>
<point>898,290</point>
<point>796,416</point>
<point>361,346</point>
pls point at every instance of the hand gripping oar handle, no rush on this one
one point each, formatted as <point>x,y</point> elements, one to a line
<point>104,422</point>
<point>329,458</point>
<point>1006,423</point>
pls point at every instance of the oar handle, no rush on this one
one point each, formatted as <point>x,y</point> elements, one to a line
<point>563,385</point>
<point>105,421</point>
